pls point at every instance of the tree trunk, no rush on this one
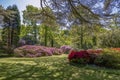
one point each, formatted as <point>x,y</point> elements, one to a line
<point>81,37</point>
<point>35,31</point>
<point>52,42</point>
<point>45,35</point>
<point>12,36</point>
<point>9,36</point>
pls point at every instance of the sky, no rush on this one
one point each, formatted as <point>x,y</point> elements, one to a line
<point>21,4</point>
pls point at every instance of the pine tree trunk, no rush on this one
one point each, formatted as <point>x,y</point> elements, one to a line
<point>52,43</point>
<point>45,35</point>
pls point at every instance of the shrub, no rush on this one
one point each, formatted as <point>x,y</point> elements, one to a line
<point>65,48</point>
<point>109,58</point>
<point>93,54</point>
<point>84,56</point>
<point>101,57</point>
<point>36,51</point>
<point>79,56</point>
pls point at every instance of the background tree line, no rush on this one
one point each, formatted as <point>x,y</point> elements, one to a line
<point>66,22</point>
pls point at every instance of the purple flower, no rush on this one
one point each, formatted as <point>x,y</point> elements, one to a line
<point>65,48</point>
<point>36,51</point>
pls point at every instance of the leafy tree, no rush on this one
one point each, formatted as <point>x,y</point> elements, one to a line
<point>45,18</point>
<point>30,19</point>
<point>25,30</point>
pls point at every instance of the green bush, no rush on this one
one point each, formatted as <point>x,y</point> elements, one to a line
<point>109,58</point>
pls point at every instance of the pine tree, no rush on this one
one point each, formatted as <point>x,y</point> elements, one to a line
<point>11,30</point>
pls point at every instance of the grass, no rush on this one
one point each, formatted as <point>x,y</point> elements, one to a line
<point>52,68</point>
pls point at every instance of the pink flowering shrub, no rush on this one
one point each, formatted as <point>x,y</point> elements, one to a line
<point>36,51</point>
<point>65,48</point>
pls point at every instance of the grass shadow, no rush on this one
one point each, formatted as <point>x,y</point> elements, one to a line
<point>53,68</point>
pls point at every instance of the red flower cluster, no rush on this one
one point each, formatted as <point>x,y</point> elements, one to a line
<point>80,54</point>
<point>87,55</point>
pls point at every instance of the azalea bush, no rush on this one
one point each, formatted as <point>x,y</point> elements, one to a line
<point>101,57</point>
<point>79,56</point>
<point>109,58</point>
<point>36,51</point>
<point>83,56</point>
<point>94,54</point>
<point>65,48</point>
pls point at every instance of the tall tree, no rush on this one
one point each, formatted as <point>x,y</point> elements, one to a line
<point>46,18</point>
<point>30,19</point>
<point>49,22</point>
<point>11,29</point>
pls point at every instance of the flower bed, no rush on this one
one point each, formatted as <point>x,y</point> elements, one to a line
<point>83,56</point>
<point>36,51</point>
<point>102,57</point>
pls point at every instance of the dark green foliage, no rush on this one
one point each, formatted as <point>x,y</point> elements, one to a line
<point>11,31</point>
<point>46,35</point>
<point>94,39</point>
<point>15,32</point>
<point>80,61</point>
<point>29,40</point>
<point>1,47</point>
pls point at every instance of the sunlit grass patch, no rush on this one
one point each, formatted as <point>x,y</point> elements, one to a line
<point>52,68</point>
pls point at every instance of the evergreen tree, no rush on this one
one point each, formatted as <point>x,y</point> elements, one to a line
<point>11,29</point>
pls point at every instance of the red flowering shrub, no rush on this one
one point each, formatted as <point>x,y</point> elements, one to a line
<point>101,57</point>
<point>36,51</point>
<point>71,55</point>
<point>84,56</point>
<point>79,56</point>
<point>94,54</point>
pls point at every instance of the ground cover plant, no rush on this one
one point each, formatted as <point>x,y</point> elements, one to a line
<point>52,68</point>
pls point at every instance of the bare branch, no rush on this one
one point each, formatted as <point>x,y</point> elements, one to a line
<point>106,4</point>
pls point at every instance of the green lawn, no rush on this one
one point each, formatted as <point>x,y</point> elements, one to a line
<point>52,68</point>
